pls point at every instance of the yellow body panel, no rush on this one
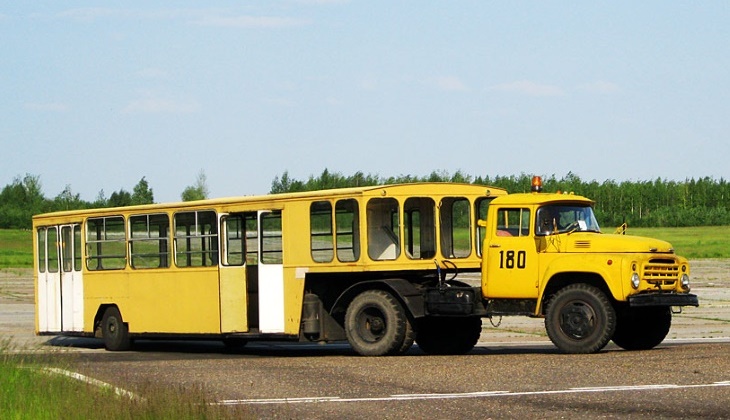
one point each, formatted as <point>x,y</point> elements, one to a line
<point>233,299</point>
<point>175,301</point>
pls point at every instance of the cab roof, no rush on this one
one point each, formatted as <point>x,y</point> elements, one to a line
<point>540,198</point>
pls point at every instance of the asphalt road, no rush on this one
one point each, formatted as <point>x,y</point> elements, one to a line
<point>678,379</point>
<point>514,372</point>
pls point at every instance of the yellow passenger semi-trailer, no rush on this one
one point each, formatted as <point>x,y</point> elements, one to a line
<point>352,264</point>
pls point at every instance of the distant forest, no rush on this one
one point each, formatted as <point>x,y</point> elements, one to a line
<point>658,203</point>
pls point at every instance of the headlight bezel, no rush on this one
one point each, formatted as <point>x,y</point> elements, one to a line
<point>684,281</point>
<point>635,280</point>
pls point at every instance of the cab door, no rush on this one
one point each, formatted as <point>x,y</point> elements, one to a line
<point>512,263</point>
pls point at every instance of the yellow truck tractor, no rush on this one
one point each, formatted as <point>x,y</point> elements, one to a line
<point>545,256</point>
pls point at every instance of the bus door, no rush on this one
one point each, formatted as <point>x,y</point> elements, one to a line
<point>233,279</point>
<point>49,281</point>
<point>271,272</point>
<point>72,286</point>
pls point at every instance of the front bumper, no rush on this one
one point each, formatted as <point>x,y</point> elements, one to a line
<point>663,299</point>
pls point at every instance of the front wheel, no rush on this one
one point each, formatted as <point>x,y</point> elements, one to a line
<point>580,319</point>
<point>377,325</point>
<point>114,330</point>
<point>642,328</point>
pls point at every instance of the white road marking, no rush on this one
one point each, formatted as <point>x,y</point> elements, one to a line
<point>485,394</point>
<point>91,381</point>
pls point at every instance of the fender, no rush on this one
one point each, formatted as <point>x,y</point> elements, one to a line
<point>593,265</point>
<point>407,293</point>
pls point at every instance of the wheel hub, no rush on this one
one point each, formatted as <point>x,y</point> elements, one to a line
<point>577,320</point>
<point>372,325</point>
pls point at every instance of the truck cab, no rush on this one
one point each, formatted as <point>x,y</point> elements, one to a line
<point>544,255</point>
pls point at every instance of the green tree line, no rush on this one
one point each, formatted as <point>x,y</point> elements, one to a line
<point>658,203</point>
<point>24,197</point>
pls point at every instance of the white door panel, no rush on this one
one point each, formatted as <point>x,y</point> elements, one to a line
<point>271,273</point>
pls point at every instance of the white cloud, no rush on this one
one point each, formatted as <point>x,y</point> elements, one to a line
<point>526,87</point>
<point>153,105</point>
<point>46,106</point>
<point>600,87</point>
<point>204,17</point>
<point>152,73</point>
<point>280,102</point>
<point>450,84</point>
<point>251,21</point>
<point>368,83</point>
<point>88,14</point>
<point>323,1</point>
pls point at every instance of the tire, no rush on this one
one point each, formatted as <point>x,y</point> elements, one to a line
<point>642,328</point>
<point>115,331</point>
<point>580,319</point>
<point>377,325</point>
<point>448,335</point>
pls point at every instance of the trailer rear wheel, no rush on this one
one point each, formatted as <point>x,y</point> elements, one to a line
<point>377,325</point>
<point>580,319</point>
<point>447,335</point>
<point>114,330</point>
<point>642,328</point>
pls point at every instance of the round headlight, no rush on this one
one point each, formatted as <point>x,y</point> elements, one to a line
<point>685,282</point>
<point>635,280</point>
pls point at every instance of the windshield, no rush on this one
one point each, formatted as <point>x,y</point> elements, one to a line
<point>565,218</point>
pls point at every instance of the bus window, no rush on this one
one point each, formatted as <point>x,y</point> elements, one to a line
<point>52,243</point>
<point>321,239</point>
<point>383,229</point>
<point>455,227</point>
<point>148,240</point>
<point>106,243</point>
<point>235,244</point>
<point>348,230</point>
<point>196,239</point>
<point>42,250</point>
<point>67,247</point>
<point>420,227</point>
<point>271,246</point>
<point>71,245</point>
<point>77,247</point>
<point>251,225</point>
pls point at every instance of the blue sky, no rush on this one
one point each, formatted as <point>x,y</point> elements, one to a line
<point>96,95</point>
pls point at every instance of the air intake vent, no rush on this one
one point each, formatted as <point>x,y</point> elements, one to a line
<point>582,244</point>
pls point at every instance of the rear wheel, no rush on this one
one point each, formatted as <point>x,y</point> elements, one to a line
<point>580,319</point>
<point>446,335</point>
<point>377,325</point>
<point>114,330</point>
<point>642,328</point>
